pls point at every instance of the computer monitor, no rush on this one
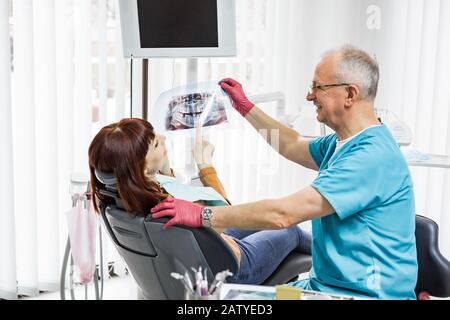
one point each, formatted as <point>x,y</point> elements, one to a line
<point>174,28</point>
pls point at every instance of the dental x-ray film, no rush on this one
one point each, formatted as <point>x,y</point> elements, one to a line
<point>182,108</point>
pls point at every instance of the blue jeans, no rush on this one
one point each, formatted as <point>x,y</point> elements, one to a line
<point>263,251</point>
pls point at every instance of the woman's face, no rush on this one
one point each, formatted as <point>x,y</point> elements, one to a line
<point>156,154</point>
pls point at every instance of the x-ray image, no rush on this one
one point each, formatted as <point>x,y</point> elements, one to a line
<point>185,111</point>
<point>182,108</point>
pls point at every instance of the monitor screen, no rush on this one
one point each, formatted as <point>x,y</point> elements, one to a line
<point>178,24</point>
<point>178,28</point>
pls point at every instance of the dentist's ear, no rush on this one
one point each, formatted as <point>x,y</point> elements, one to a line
<point>349,94</point>
<point>352,92</point>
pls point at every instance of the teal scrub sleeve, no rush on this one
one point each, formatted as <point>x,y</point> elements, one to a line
<point>352,183</point>
<point>318,147</point>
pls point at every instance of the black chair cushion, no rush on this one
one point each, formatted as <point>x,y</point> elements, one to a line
<point>294,264</point>
<point>434,269</point>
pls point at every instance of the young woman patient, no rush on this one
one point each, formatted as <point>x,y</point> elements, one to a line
<point>137,156</point>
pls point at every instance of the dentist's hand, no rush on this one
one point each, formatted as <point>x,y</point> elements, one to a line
<point>182,212</point>
<point>203,151</point>
<point>237,95</point>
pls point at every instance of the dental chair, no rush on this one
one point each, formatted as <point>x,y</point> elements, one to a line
<point>434,269</point>
<point>152,253</point>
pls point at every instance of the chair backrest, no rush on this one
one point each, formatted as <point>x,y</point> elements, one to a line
<point>434,269</point>
<point>152,253</point>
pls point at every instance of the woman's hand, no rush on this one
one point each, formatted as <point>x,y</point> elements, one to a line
<point>203,151</point>
<point>165,169</point>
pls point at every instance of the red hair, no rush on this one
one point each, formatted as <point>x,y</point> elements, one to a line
<point>121,148</point>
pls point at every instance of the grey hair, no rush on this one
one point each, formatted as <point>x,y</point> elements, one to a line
<point>358,67</point>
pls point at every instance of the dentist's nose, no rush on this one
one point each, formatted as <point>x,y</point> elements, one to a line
<point>310,96</point>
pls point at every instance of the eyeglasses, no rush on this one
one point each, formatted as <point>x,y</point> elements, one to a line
<point>313,87</point>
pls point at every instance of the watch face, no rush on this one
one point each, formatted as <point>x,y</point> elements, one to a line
<point>207,213</point>
<point>206,217</point>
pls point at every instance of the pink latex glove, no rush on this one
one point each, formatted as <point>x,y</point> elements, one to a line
<point>237,95</point>
<point>182,212</point>
<point>423,296</point>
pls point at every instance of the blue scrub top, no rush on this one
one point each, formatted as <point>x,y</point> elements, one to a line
<point>367,247</point>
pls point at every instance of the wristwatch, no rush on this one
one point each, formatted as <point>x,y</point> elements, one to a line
<point>207,214</point>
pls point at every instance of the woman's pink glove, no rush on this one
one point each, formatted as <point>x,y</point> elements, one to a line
<point>182,212</point>
<point>237,95</point>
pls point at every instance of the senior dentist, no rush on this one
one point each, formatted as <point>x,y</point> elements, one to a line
<point>361,203</point>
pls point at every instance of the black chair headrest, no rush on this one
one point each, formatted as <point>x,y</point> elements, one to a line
<point>107,178</point>
<point>110,190</point>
